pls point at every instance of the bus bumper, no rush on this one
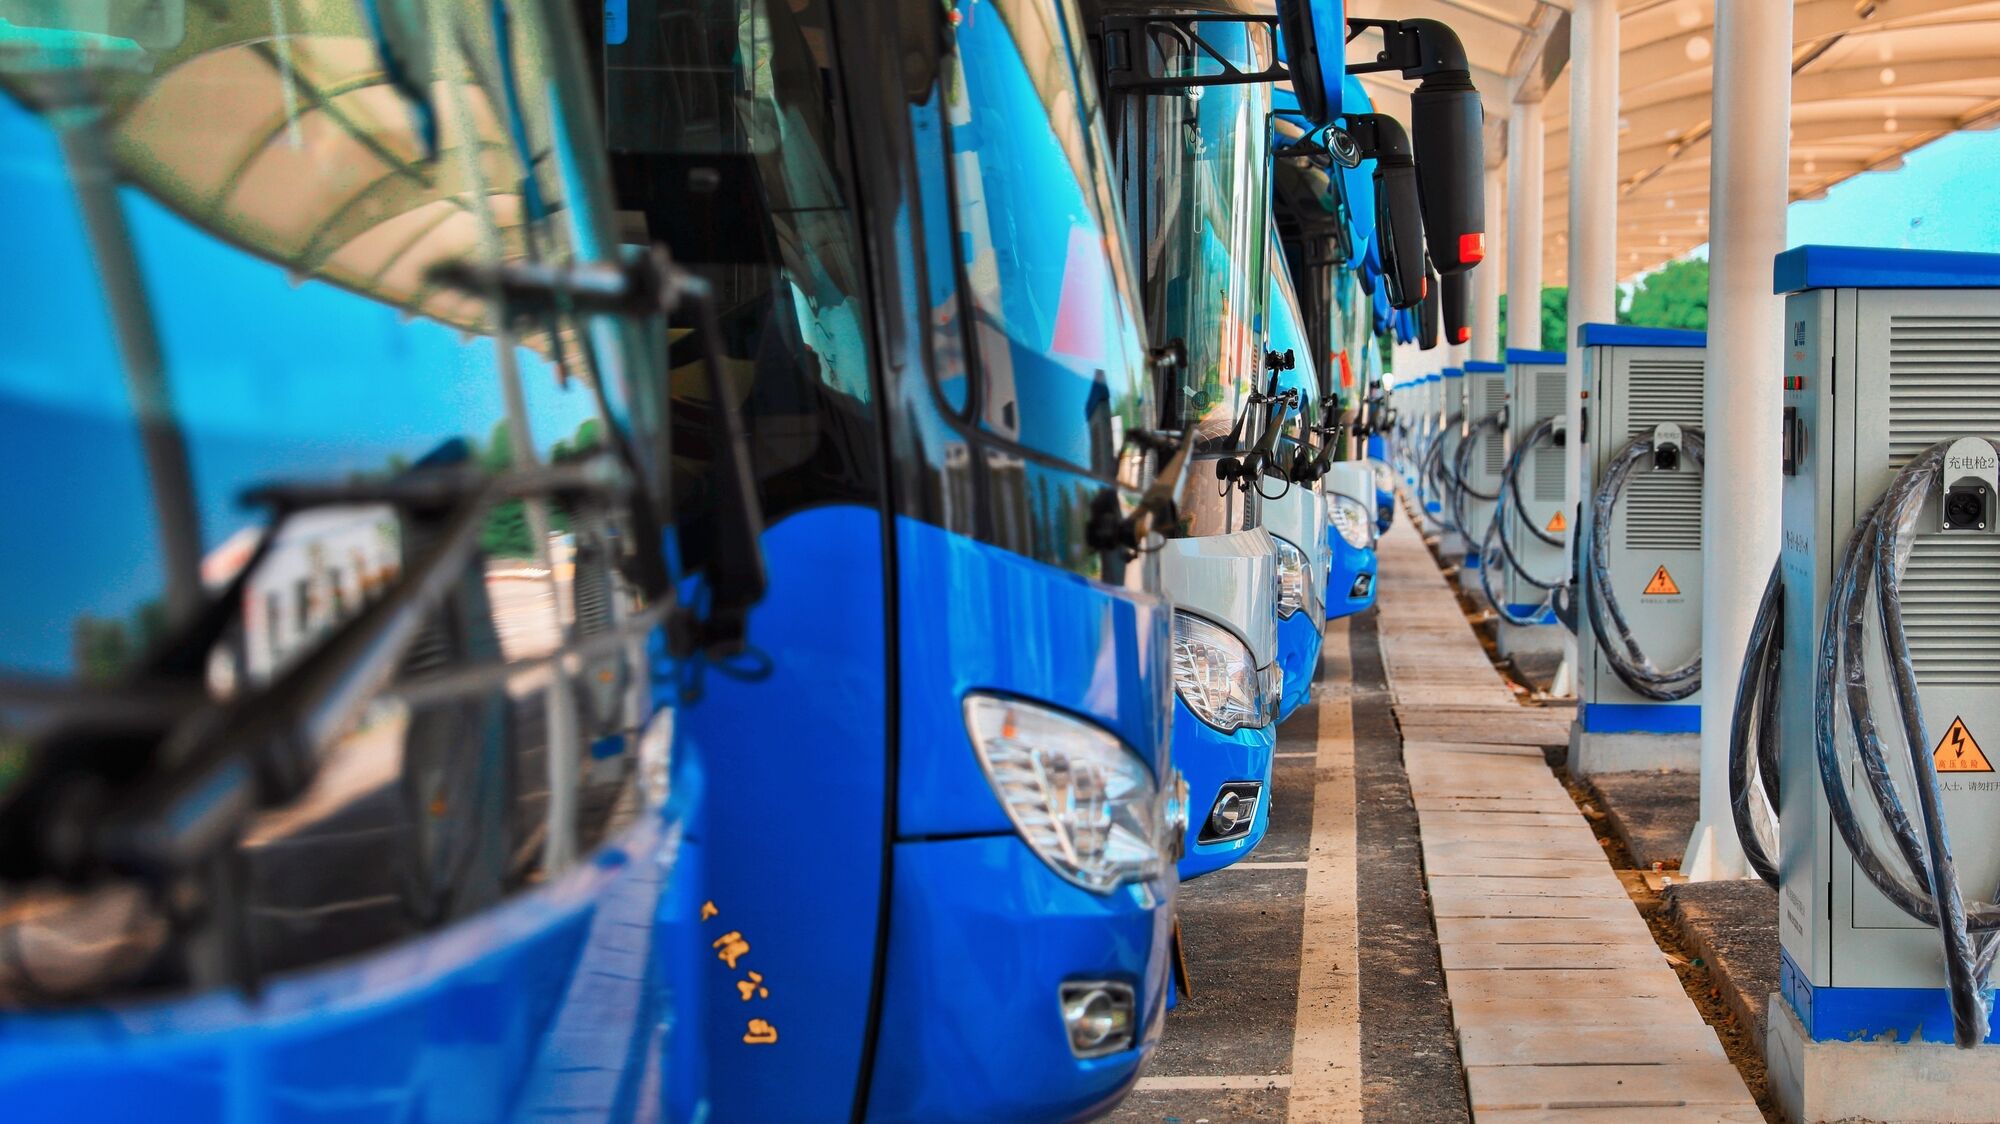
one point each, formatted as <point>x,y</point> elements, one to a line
<point>1211,760</point>
<point>1352,585</point>
<point>983,937</point>
<point>1298,654</point>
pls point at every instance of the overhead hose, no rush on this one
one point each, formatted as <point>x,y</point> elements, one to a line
<point>1607,621</point>
<point>1496,544</point>
<point>1753,734</point>
<point>1920,876</point>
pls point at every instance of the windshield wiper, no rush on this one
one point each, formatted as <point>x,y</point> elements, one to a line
<point>647,286</point>
<point>167,805</point>
<point>1158,507</point>
<point>1261,458</point>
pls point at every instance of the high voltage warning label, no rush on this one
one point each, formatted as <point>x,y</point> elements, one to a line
<point>1662,584</point>
<point>1956,752</point>
<point>1558,523</point>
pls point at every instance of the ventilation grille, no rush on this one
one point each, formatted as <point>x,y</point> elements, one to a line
<point>1944,381</point>
<point>1548,474</point>
<point>1662,391</point>
<point>1495,452</point>
<point>1550,386</point>
<point>1951,609</point>
<point>1492,395</point>
<point>1663,510</point>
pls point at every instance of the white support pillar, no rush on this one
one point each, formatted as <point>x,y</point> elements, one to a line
<point>1524,225</point>
<point>1748,191</point>
<point>1593,230</point>
<point>1486,276</point>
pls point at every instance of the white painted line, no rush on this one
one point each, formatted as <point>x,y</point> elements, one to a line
<point>1233,1081</point>
<point>1326,1024</point>
<point>1309,753</point>
<point>1274,864</point>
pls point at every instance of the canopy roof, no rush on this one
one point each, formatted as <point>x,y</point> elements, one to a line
<point>1872,79</point>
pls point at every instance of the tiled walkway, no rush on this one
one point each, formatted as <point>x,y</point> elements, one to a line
<point>1564,1005</point>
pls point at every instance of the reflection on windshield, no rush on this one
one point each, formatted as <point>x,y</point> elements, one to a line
<point>1205,276</point>
<point>1060,364</point>
<point>1288,334</point>
<point>281,180</point>
<point>727,144</point>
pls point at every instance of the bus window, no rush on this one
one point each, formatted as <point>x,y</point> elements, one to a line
<point>726,130</point>
<point>1060,367</point>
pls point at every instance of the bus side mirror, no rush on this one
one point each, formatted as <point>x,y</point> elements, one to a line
<point>1456,310</point>
<point>1432,312</point>
<point>1314,37</point>
<point>1446,121</point>
<point>1399,220</point>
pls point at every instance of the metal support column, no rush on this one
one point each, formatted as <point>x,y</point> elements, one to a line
<point>1593,231</point>
<point>1748,191</point>
<point>1524,225</point>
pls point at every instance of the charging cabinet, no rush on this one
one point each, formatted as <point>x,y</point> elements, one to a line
<point>1485,395</point>
<point>1452,423</point>
<point>1539,387</point>
<point>1637,380</point>
<point>1887,352</point>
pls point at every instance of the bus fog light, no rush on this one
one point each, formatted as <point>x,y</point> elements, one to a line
<point>1234,809</point>
<point>1100,1016</point>
<point>1361,585</point>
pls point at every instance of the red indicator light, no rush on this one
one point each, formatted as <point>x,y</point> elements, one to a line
<point>1472,247</point>
<point>1461,335</point>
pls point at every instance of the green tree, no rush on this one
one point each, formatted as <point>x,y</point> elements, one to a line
<point>1555,318</point>
<point>1674,296</point>
<point>506,533</point>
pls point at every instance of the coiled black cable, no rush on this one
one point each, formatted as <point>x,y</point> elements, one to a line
<point>1607,620</point>
<point>1921,877</point>
<point>1753,733</point>
<point>1495,543</point>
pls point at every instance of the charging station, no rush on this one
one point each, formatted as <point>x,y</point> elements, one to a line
<point>1639,601</point>
<point>1452,543</point>
<point>1892,376</point>
<point>1481,460</point>
<point>1533,514</point>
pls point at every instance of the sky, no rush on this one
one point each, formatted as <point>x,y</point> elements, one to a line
<point>1940,199</point>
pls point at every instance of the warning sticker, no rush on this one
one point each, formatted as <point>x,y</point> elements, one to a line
<point>1662,584</point>
<point>1558,523</point>
<point>1956,752</point>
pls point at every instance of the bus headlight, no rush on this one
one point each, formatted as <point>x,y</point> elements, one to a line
<point>1294,578</point>
<point>1352,520</point>
<point>1082,801</point>
<point>1385,478</point>
<point>1215,675</point>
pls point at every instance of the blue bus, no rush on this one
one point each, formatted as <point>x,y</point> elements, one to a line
<point>1194,176</point>
<point>934,816</point>
<point>339,774</point>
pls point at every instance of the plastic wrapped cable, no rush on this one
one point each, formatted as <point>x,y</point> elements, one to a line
<point>1607,620</point>
<point>1496,544</point>
<point>1753,735</point>
<point>1457,489</point>
<point>1911,865</point>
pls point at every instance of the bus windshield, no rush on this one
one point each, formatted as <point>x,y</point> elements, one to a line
<point>1208,196</point>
